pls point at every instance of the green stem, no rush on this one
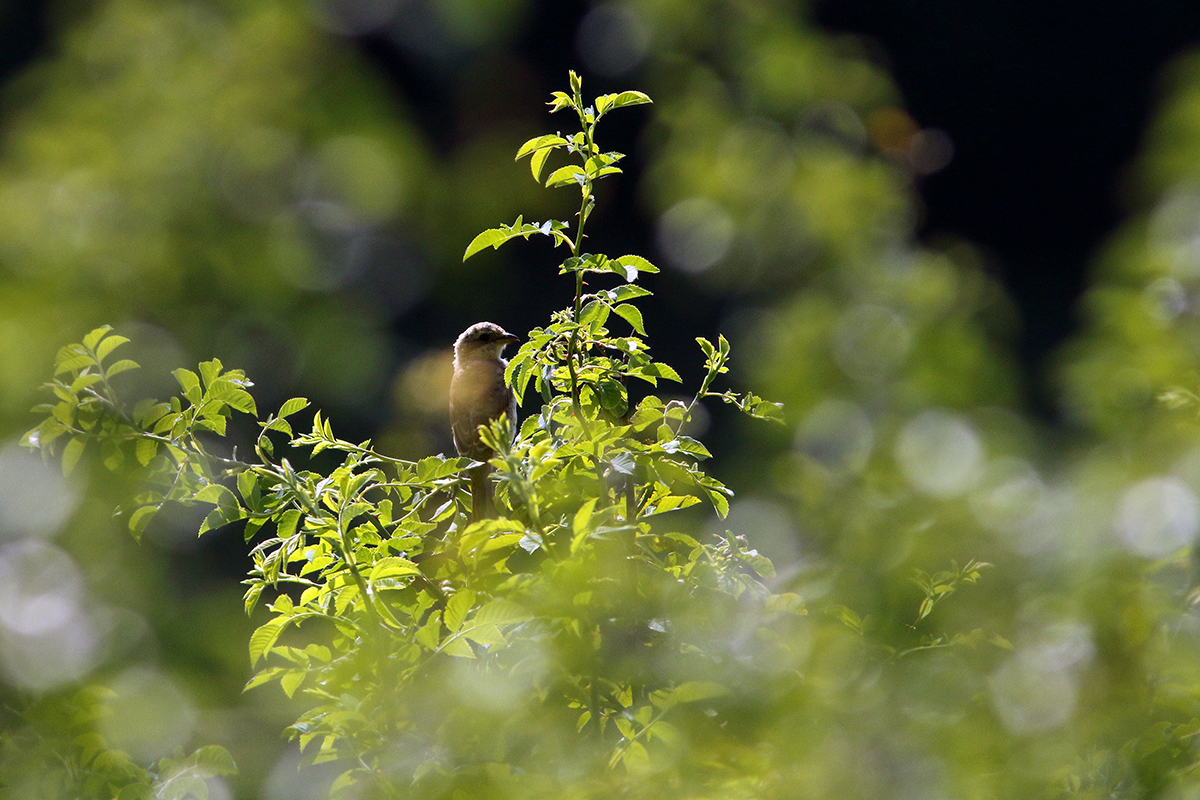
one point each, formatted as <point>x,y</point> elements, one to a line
<point>702,392</point>
<point>347,554</point>
<point>576,247</point>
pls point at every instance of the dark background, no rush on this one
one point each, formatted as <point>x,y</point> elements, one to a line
<point>1046,104</point>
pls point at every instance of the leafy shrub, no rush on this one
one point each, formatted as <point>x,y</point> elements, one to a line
<point>580,641</point>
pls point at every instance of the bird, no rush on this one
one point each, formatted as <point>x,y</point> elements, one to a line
<point>478,395</point>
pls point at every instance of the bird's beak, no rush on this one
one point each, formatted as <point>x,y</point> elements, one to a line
<point>509,338</point>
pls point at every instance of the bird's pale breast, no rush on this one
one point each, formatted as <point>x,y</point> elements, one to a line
<point>478,394</point>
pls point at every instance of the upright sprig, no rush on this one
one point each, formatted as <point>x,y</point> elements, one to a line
<point>593,164</point>
<point>590,164</point>
<point>576,354</point>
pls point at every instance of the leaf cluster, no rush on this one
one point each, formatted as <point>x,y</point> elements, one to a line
<point>592,630</point>
<point>57,752</point>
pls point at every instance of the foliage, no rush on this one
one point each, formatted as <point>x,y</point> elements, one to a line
<point>578,639</point>
<point>290,210</point>
<point>57,753</point>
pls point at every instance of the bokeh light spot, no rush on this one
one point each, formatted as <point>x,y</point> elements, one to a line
<point>40,587</point>
<point>150,716</point>
<point>35,500</point>
<point>837,433</point>
<point>612,40</point>
<point>424,385</point>
<point>1157,516</point>
<point>870,343</point>
<point>940,453</point>
<point>1036,689</point>
<point>1166,298</point>
<point>1007,495</point>
<point>1175,226</point>
<point>931,151</point>
<point>695,234</point>
<point>45,638</point>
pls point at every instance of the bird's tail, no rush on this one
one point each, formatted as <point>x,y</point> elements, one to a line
<point>481,493</point>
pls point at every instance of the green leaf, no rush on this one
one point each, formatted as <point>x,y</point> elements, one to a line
<point>630,266</point>
<point>765,409</point>
<point>600,165</point>
<point>83,382</point>
<point>264,637</point>
<point>210,370</point>
<point>594,312</point>
<point>220,516</point>
<point>435,468</point>
<point>758,562</point>
<point>720,502</point>
<point>500,612</point>
<point>849,617</point>
<point>609,102</point>
<point>457,607</point>
<point>214,760</point>
<point>73,363</point>
<point>494,237</point>
<point>689,692</point>
<point>113,456</point>
<point>292,406</point>
<point>139,519</point>
<point>613,397</point>
<point>687,444</point>
<point>572,174</point>
<point>625,292</point>
<point>392,567</point>
<point>291,681</point>
<point>286,525</point>
<point>579,524</point>
<point>124,365</point>
<point>538,162</point>
<point>247,484</point>
<point>251,598</point>
<point>71,454</point>
<point>189,382</point>
<point>216,494</point>
<point>232,395</point>
<point>661,370</point>
<point>632,315</point>
<point>150,412</point>
<point>457,646</point>
<point>93,338</point>
<point>109,344</point>
<point>429,635</point>
<point>540,143</point>
<point>560,101</point>
<point>484,634</point>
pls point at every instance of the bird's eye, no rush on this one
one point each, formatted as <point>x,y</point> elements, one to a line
<point>485,337</point>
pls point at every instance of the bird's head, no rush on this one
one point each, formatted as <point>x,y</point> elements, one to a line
<point>483,340</point>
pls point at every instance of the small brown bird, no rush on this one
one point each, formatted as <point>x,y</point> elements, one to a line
<point>478,395</point>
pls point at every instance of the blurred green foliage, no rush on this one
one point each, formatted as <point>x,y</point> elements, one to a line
<point>230,179</point>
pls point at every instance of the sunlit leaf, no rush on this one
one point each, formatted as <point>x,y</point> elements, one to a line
<point>189,382</point>
<point>540,143</point>
<point>572,174</point>
<point>92,339</point>
<point>71,454</point>
<point>632,315</point>
<point>108,344</point>
<point>609,102</point>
